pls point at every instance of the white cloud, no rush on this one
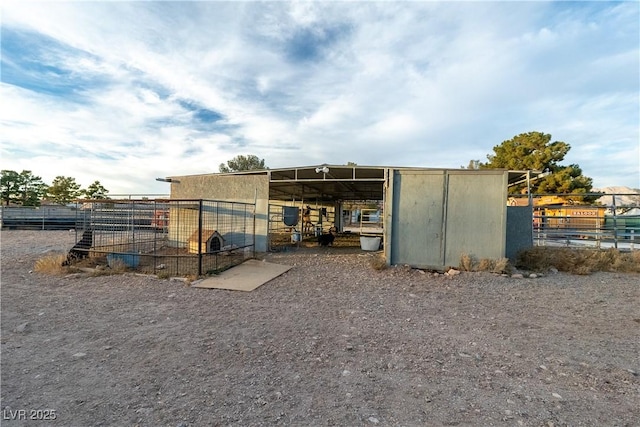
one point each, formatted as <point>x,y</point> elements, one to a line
<point>407,83</point>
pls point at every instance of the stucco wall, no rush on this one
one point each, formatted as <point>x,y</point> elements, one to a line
<point>237,188</point>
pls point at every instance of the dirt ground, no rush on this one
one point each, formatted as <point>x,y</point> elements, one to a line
<point>331,342</point>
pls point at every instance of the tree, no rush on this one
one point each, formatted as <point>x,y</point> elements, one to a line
<point>243,163</point>
<point>96,191</point>
<point>528,151</point>
<point>535,151</point>
<point>22,188</point>
<point>10,186</point>
<point>63,190</point>
<point>473,164</point>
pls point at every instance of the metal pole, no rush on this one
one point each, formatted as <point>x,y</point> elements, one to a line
<point>615,222</point>
<point>530,199</point>
<point>154,224</point>
<point>598,230</point>
<point>200,238</point>
<point>255,204</point>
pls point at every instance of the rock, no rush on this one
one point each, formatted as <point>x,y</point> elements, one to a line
<point>453,272</point>
<point>373,420</point>
<point>346,373</point>
<point>556,395</point>
<point>517,276</point>
<point>533,276</point>
<point>22,327</point>
<point>79,355</point>
<point>553,270</point>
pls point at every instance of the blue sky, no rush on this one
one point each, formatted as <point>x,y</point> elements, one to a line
<point>124,92</point>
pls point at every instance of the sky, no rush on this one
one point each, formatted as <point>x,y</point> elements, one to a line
<point>126,92</point>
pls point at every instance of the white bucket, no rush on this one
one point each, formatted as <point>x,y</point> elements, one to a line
<point>295,236</point>
<point>368,243</point>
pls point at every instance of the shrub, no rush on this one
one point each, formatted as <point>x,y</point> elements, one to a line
<point>466,262</point>
<point>51,264</point>
<point>579,261</point>
<point>378,262</point>
<point>469,263</point>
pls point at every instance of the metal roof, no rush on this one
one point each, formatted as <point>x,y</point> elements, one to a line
<point>328,183</point>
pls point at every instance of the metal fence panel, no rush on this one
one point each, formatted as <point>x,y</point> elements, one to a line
<point>519,230</point>
<point>172,237</point>
<point>598,226</point>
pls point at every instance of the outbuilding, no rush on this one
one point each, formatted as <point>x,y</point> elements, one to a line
<point>429,217</point>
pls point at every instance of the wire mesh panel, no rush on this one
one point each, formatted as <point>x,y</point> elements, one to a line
<point>171,237</point>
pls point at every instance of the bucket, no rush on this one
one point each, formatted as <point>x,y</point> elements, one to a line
<point>368,243</point>
<point>131,260</point>
<point>295,236</point>
<point>290,215</point>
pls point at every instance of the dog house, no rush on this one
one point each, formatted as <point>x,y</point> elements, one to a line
<point>431,216</point>
<point>210,241</point>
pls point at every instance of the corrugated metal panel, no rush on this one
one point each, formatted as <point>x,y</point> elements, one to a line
<point>417,218</point>
<point>519,230</point>
<point>476,216</point>
<point>436,216</point>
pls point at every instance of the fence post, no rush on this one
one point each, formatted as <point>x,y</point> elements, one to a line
<point>598,230</point>
<point>200,238</point>
<point>615,222</point>
<point>154,225</point>
<point>253,220</point>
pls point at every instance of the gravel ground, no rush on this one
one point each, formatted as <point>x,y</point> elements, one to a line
<point>331,342</point>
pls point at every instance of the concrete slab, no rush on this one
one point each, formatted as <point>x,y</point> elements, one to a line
<point>245,277</point>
